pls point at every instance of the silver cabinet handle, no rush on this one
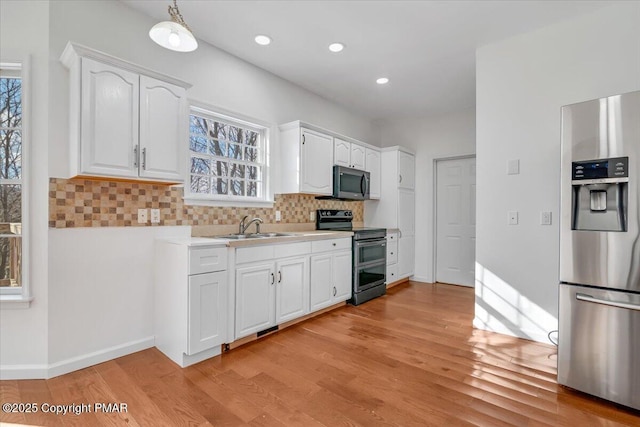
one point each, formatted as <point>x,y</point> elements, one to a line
<point>619,304</point>
<point>334,244</point>
<point>334,291</point>
<point>303,139</point>
<point>400,178</point>
<point>135,156</point>
<point>144,158</point>
<point>391,253</point>
<point>279,276</point>
<point>273,278</point>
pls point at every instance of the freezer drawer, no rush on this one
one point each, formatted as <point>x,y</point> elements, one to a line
<point>599,343</point>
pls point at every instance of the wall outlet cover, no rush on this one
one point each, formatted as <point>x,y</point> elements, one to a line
<point>513,167</point>
<point>155,216</point>
<point>512,218</point>
<point>278,216</point>
<point>545,218</point>
<point>142,216</point>
<point>312,216</point>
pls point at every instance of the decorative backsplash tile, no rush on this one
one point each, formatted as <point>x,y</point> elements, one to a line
<point>95,203</point>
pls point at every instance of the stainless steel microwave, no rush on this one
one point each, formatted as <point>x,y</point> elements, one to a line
<point>350,184</point>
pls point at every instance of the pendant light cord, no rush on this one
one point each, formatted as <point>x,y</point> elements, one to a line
<point>175,14</point>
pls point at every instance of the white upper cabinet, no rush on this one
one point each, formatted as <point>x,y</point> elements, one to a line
<point>406,170</point>
<point>109,120</point>
<point>125,121</point>
<point>162,137</point>
<point>306,160</point>
<point>372,165</point>
<point>348,154</point>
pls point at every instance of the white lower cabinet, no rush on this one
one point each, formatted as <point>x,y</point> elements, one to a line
<point>292,289</point>
<point>255,298</point>
<point>331,271</point>
<point>191,300</point>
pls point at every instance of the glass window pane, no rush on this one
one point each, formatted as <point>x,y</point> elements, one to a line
<point>251,138</point>
<point>235,134</point>
<point>217,130</point>
<point>10,154</point>
<point>10,261</point>
<point>10,207</point>
<point>252,172</point>
<point>218,148</point>
<point>251,155</point>
<point>237,170</point>
<point>252,188</point>
<point>199,184</point>
<point>220,168</point>
<point>237,187</point>
<point>198,144</point>
<point>200,166</point>
<point>219,186</point>
<point>235,151</point>
<point>198,126</point>
<point>11,102</point>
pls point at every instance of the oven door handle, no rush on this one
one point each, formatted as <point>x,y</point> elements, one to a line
<point>618,304</point>
<point>377,242</point>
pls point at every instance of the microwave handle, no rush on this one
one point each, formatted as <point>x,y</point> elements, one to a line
<point>362,189</point>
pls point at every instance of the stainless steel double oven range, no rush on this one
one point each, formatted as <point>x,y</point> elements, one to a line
<point>369,253</point>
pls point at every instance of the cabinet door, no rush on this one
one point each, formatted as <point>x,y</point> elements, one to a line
<point>207,311</point>
<point>163,130</point>
<point>292,290</point>
<point>341,152</point>
<point>255,299</point>
<point>342,276</point>
<point>321,286</point>
<point>372,165</point>
<point>357,156</point>
<point>406,250</point>
<point>406,170</point>
<point>406,212</point>
<point>109,120</point>
<point>316,163</point>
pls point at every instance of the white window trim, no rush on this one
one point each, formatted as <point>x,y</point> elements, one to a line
<point>214,112</point>
<point>23,298</point>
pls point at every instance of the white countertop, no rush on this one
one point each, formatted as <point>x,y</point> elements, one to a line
<point>300,236</point>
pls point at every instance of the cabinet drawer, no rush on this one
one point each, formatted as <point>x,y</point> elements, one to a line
<point>292,249</point>
<point>392,252</point>
<point>207,260</point>
<point>330,245</point>
<point>254,253</point>
<point>392,273</point>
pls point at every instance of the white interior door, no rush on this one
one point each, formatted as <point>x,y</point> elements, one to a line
<point>456,221</point>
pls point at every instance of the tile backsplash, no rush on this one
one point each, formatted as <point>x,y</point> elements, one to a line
<point>97,203</point>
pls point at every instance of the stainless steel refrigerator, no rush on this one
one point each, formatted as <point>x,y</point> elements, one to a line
<point>599,310</point>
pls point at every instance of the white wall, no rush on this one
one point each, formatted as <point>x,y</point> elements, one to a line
<point>431,138</point>
<point>24,30</point>
<point>521,84</point>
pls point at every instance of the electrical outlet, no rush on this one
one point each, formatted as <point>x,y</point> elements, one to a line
<point>545,218</point>
<point>513,167</point>
<point>512,217</point>
<point>142,216</point>
<point>278,216</point>
<point>312,216</point>
<point>155,216</point>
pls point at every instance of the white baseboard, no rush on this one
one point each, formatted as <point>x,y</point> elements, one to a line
<point>32,372</point>
<point>86,360</point>
<point>23,372</point>
<point>421,279</point>
<point>501,329</point>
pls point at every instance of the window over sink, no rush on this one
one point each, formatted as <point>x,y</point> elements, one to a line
<point>228,160</point>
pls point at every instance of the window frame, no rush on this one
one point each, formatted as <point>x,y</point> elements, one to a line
<point>233,119</point>
<point>20,297</point>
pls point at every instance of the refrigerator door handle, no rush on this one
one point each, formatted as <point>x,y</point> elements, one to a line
<point>619,304</point>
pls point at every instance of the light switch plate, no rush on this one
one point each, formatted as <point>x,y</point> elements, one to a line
<point>513,167</point>
<point>512,217</point>
<point>142,216</point>
<point>155,216</point>
<point>545,218</point>
<point>278,216</point>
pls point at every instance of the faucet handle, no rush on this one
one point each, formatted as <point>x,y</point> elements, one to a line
<point>242,227</point>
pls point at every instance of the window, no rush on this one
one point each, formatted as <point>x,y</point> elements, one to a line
<point>228,159</point>
<point>12,184</point>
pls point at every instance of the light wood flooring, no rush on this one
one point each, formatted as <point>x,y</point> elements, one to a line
<point>410,358</point>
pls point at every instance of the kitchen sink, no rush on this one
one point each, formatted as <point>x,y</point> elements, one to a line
<point>253,236</point>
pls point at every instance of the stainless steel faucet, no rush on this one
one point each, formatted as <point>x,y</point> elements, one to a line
<point>243,227</point>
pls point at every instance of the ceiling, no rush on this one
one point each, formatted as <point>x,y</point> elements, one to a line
<point>425,48</point>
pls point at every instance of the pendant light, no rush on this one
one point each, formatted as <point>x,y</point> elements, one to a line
<point>174,34</point>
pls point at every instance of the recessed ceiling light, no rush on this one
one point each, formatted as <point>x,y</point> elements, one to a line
<point>262,40</point>
<point>336,47</point>
<point>382,80</point>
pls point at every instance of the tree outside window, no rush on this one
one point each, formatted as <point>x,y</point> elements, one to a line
<point>10,181</point>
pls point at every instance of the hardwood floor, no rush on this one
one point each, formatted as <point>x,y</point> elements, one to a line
<point>410,358</point>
